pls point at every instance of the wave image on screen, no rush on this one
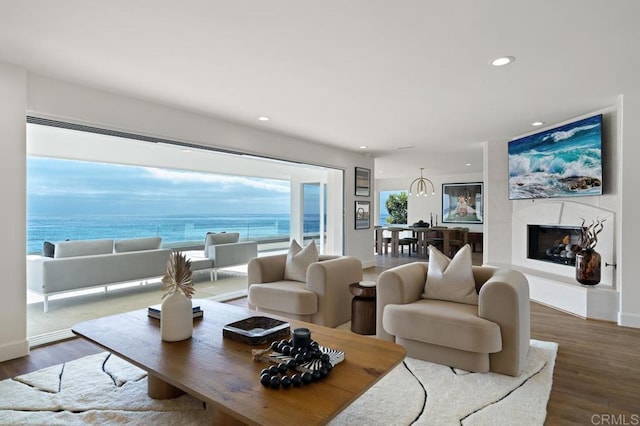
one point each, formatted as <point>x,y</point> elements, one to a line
<point>562,162</point>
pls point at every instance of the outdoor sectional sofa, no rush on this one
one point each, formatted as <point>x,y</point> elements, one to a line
<point>225,249</point>
<point>91,263</point>
<point>83,264</point>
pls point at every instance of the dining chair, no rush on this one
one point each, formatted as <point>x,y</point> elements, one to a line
<point>434,238</point>
<point>456,239</point>
<point>410,242</point>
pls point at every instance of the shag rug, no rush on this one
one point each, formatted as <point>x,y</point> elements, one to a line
<point>103,389</point>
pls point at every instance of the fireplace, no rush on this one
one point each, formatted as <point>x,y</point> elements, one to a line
<point>552,279</point>
<point>557,244</point>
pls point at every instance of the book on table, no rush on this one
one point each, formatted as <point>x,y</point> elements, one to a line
<point>155,311</point>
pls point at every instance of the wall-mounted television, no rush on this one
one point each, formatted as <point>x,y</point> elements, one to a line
<point>565,161</point>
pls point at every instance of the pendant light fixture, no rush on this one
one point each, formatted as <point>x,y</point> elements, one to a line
<point>421,185</point>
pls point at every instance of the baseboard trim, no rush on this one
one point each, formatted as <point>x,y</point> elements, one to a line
<point>14,350</point>
<point>226,297</point>
<point>629,320</point>
<point>47,338</point>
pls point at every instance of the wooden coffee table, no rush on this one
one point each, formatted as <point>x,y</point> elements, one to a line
<point>221,372</point>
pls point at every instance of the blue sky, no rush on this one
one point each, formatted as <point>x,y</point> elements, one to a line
<point>66,187</point>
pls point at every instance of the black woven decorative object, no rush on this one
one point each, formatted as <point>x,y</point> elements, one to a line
<point>298,365</point>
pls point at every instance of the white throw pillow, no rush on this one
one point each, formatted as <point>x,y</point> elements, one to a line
<point>298,260</point>
<point>451,279</point>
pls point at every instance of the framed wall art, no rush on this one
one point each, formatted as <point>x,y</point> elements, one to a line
<point>362,215</point>
<point>462,202</point>
<point>363,182</point>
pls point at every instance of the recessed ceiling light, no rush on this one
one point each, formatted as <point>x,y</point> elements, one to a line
<point>263,118</point>
<point>186,150</point>
<point>537,123</point>
<point>501,61</point>
<point>467,164</point>
<point>363,147</point>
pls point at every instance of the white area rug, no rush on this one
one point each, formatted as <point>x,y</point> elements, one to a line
<point>103,389</point>
<point>422,393</point>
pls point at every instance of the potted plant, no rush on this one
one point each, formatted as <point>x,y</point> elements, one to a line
<point>588,259</point>
<point>176,318</point>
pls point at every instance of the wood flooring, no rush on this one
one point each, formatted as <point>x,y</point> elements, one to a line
<point>596,378</point>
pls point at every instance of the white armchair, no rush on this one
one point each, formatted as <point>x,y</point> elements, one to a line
<point>323,299</point>
<point>492,336</point>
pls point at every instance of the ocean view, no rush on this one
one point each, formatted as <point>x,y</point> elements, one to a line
<point>172,228</point>
<point>84,200</point>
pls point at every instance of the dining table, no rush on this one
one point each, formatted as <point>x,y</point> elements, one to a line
<point>417,232</point>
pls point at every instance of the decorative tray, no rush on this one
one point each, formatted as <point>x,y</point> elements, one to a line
<point>257,330</point>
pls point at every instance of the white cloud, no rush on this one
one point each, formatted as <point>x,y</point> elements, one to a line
<point>195,177</point>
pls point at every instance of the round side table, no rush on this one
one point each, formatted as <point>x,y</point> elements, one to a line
<point>363,307</point>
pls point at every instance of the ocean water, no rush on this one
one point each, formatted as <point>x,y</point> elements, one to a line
<point>172,228</point>
<point>546,165</point>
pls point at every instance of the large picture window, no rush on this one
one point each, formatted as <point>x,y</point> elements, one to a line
<point>82,200</point>
<point>86,183</point>
<point>90,183</point>
<point>393,207</point>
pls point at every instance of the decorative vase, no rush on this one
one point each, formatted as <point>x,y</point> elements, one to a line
<point>176,318</point>
<point>588,267</point>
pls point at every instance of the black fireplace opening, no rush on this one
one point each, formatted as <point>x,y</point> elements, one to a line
<point>557,244</point>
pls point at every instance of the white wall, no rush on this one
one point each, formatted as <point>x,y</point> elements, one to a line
<point>629,208</point>
<point>334,203</point>
<point>13,302</point>
<point>422,207</point>
<point>497,207</point>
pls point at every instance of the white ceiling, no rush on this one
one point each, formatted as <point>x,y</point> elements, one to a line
<point>386,74</point>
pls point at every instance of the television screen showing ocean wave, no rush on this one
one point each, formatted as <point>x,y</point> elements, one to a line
<point>562,162</point>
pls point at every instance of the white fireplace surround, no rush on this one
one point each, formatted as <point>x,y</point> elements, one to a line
<point>562,213</point>
<point>555,284</point>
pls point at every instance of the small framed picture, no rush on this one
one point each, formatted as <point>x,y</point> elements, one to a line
<point>462,202</point>
<point>363,182</point>
<point>362,215</point>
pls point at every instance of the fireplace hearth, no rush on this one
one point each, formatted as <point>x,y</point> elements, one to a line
<point>556,244</point>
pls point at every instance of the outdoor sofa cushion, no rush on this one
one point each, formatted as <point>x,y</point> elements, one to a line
<point>82,248</point>
<point>137,244</point>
